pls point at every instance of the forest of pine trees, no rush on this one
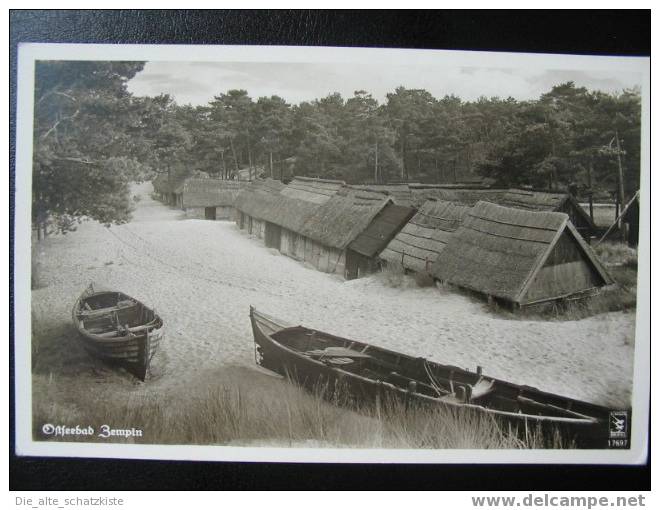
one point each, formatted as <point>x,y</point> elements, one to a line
<point>568,136</point>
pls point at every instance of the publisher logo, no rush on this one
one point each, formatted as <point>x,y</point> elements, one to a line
<point>618,424</point>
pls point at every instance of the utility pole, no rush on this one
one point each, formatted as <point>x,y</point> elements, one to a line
<point>590,169</point>
<point>376,165</point>
<point>622,199</point>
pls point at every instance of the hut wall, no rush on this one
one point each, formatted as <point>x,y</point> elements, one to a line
<point>358,265</point>
<point>272,235</point>
<point>297,248</point>
<point>195,213</point>
<point>241,220</point>
<point>224,212</point>
<point>288,243</point>
<point>221,213</point>
<point>565,272</point>
<point>330,260</point>
<point>323,258</point>
<point>258,228</point>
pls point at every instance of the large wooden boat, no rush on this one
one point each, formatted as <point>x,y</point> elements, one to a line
<point>118,328</point>
<point>367,374</point>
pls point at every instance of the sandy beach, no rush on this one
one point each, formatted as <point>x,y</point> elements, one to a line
<point>202,276</point>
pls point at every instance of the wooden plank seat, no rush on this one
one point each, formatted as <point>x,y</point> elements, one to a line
<point>336,352</point>
<point>336,355</point>
<point>121,306</point>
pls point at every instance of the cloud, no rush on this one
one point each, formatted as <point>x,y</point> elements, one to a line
<point>197,82</point>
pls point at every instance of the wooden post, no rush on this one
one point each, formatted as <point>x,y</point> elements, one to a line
<point>224,166</point>
<point>622,198</point>
<point>591,193</point>
<point>376,165</point>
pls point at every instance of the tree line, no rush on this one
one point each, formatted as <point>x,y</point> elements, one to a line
<point>92,138</point>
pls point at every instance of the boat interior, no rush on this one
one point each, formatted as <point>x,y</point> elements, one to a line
<point>114,314</point>
<point>418,375</point>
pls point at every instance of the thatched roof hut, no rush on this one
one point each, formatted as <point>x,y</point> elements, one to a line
<point>167,184</point>
<point>159,183</point>
<point>519,256</point>
<point>529,200</point>
<point>259,197</point>
<point>344,216</point>
<point>210,192</point>
<point>422,239</point>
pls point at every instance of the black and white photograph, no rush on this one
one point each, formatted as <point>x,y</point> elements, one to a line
<point>331,254</point>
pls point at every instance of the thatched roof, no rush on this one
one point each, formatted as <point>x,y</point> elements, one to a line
<point>399,192</point>
<point>342,218</point>
<point>547,201</point>
<point>499,250</point>
<point>288,206</point>
<point>317,191</point>
<point>165,184</point>
<point>210,192</point>
<point>159,183</point>
<point>259,198</point>
<point>421,240</point>
<point>463,196</point>
<point>534,200</point>
<point>529,200</point>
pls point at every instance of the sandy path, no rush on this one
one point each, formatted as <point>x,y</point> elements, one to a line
<point>201,276</point>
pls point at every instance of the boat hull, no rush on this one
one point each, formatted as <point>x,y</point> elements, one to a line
<point>132,346</point>
<point>345,387</point>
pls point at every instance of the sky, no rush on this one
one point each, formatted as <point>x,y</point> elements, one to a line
<point>197,82</point>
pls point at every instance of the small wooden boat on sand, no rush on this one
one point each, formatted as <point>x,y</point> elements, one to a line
<point>370,374</point>
<point>118,328</point>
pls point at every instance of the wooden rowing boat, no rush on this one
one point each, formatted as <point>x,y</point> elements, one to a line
<point>118,328</point>
<point>370,374</point>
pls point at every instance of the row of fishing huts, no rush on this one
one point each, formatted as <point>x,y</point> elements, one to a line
<point>516,246</point>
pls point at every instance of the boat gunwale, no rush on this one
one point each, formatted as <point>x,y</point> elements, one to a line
<point>99,340</point>
<point>488,410</point>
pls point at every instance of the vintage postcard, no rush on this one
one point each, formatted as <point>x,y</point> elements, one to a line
<point>331,255</point>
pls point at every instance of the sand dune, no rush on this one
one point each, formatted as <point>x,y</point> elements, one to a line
<point>201,276</point>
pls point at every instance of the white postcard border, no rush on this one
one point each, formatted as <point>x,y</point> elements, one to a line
<point>25,445</point>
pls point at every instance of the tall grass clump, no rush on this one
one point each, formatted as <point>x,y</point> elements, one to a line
<point>393,275</point>
<point>616,254</point>
<point>240,408</point>
<point>424,279</point>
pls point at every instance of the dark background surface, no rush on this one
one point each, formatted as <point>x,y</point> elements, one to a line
<point>591,33</point>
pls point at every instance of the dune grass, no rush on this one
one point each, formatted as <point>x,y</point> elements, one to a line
<point>395,276</point>
<point>243,407</point>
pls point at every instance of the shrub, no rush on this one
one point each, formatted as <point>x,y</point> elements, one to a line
<point>616,254</point>
<point>424,279</point>
<point>393,275</point>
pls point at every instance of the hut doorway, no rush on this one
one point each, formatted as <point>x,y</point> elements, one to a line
<point>357,265</point>
<point>209,213</point>
<point>273,235</point>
